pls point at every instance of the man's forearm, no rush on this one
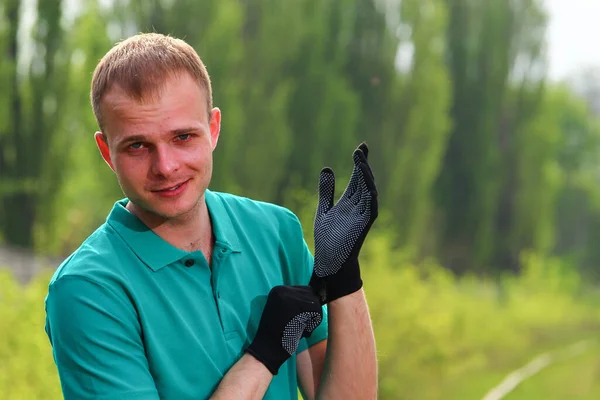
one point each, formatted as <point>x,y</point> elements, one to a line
<point>248,379</point>
<point>351,363</point>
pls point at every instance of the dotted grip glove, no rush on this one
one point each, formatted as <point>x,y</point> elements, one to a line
<point>291,313</point>
<point>340,229</point>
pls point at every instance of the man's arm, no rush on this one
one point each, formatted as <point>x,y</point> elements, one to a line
<point>96,342</point>
<point>339,231</point>
<point>290,314</point>
<point>248,379</point>
<point>350,370</point>
<point>99,353</point>
<point>309,367</point>
<point>324,368</point>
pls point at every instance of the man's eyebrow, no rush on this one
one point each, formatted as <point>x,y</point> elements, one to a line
<point>183,131</point>
<point>174,132</point>
<point>132,139</point>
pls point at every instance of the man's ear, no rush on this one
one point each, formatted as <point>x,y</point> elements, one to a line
<point>215,126</point>
<point>102,143</point>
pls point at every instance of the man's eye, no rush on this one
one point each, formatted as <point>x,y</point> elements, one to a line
<point>184,136</point>
<point>136,145</point>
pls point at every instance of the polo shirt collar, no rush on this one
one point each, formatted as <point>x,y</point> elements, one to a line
<point>157,253</point>
<point>225,232</point>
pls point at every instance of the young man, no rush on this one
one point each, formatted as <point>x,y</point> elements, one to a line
<point>185,293</point>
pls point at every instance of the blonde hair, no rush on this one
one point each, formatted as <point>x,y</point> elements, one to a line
<point>141,64</point>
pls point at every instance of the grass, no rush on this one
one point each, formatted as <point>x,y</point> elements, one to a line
<point>573,378</point>
<point>478,383</point>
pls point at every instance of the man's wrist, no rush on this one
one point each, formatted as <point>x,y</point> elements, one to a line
<point>248,379</point>
<point>271,361</point>
<point>350,299</point>
<point>250,361</point>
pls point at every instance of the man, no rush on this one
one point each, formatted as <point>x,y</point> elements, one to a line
<point>186,293</point>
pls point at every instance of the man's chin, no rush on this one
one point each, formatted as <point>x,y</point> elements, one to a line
<point>168,213</point>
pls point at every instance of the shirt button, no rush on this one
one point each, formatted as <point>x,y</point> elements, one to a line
<point>189,263</point>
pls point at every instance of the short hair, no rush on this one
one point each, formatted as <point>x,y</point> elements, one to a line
<point>141,64</point>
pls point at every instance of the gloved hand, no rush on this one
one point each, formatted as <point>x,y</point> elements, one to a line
<point>291,313</point>
<point>340,229</point>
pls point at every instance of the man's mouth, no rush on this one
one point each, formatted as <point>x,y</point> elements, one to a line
<point>169,188</point>
<point>172,188</point>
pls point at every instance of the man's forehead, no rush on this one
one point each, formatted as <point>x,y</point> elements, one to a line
<point>128,91</point>
<point>180,101</point>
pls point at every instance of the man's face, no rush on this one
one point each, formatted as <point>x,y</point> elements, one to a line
<point>161,151</point>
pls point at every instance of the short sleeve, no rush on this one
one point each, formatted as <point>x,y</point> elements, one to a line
<point>96,342</point>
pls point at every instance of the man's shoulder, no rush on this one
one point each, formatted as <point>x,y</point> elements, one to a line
<point>257,210</point>
<point>95,259</point>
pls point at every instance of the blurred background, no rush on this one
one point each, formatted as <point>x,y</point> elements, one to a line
<point>482,119</point>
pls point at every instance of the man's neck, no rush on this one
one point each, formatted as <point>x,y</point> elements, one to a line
<point>189,232</point>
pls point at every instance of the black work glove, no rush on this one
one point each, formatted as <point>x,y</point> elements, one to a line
<point>340,229</point>
<point>291,313</point>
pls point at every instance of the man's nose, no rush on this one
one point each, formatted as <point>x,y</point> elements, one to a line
<point>164,161</point>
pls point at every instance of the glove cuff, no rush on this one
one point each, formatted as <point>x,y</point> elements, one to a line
<point>346,281</point>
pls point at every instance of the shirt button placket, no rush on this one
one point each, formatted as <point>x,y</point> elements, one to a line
<point>216,292</point>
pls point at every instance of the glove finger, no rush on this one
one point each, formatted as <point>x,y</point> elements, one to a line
<point>307,295</point>
<point>311,323</point>
<point>352,187</point>
<point>365,149</point>
<point>364,159</point>
<point>370,197</point>
<point>326,190</point>
<point>368,180</point>
<point>363,174</point>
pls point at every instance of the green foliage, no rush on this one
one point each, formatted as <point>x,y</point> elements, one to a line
<point>27,368</point>
<point>436,332</point>
<point>433,331</point>
<point>477,157</point>
<point>413,152</point>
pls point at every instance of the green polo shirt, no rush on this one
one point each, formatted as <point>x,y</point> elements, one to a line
<point>129,316</point>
